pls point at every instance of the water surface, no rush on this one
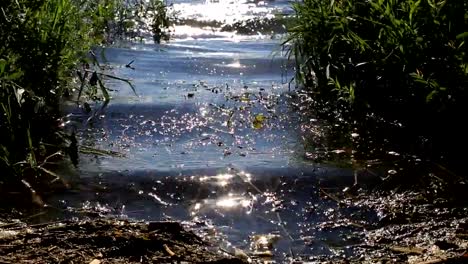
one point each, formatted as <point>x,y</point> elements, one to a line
<point>211,139</point>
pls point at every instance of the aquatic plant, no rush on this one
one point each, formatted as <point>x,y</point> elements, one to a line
<point>45,48</point>
<point>127,19</point>
<point>404,61</point>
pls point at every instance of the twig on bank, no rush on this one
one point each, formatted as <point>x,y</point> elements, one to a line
<point>331,196</point>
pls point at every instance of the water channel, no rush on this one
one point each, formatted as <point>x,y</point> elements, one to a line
<point>211,139</point>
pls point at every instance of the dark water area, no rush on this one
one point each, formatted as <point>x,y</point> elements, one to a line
<point>228,207</point>
<point>211,140</point>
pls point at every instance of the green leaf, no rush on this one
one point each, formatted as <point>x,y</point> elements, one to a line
<point>15,75</point>
<point>462,35</point>
<point>431,95</point>
<point>3,64</point>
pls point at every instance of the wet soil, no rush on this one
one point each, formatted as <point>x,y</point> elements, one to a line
<point>407,227</point>
<point>104,241</point>
<point>410,228</point>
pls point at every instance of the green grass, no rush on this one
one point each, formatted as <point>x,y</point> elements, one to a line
<point>404,61</point>
<point>45,47</point>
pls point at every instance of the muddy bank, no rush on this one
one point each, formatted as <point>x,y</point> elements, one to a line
<point>361,227</point>
<point>104,241</point>
<point>409,228</point>
<point>302,219</point>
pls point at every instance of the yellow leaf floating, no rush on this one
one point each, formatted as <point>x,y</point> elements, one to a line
<point>245,98</point>
<point>258,121</point>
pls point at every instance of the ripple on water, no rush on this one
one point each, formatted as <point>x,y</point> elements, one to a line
<point>209,101</point>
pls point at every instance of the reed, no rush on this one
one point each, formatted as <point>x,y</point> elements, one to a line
<point>405,61</point>
<point>45,48</point>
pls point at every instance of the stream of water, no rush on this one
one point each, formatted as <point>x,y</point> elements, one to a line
<point>211,140</point>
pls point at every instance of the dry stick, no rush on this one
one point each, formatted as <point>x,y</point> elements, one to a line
<point>117,78</point>
<point>101,152</point>
<point>331,196</point>
<point>437,177</point>
<point>226,251</point>
<point>168,250</point>
<point>407,250</point>
<point>436,261</point>
<point>9,224</point>
<point>340,203</point>
<point>45,224</point>
<point>282,226</point>
<point>34,215</point>
<point>448,171</point>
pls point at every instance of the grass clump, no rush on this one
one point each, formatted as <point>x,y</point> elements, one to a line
<point>45,47</point>
<point>402,61</point>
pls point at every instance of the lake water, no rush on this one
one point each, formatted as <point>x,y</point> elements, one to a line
<point>211,139</point>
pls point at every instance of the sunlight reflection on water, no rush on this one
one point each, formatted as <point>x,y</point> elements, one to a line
<point>227,11</point>
<point>207,100</point>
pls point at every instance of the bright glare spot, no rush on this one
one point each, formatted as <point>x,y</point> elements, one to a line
<point>196,208</point>
<point>223,183</point>
<point>338,151</point>
<point>245,203</point>
<point>220,179</point>
<point>236,64</point>
<point>262,241</point>
<point>246,176</point>
<point>232,202</point>
<point>224,176</point>
<point>203,111</point>
<point>204,178</point>
<point>228,203</point>
<point>157,198</point>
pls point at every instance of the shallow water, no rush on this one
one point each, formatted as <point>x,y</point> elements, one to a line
<point>210,139</point>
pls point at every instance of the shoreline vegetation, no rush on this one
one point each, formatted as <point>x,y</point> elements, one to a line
<point>47,57</point>
<point>387,80</point>
<point>388,74</point>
